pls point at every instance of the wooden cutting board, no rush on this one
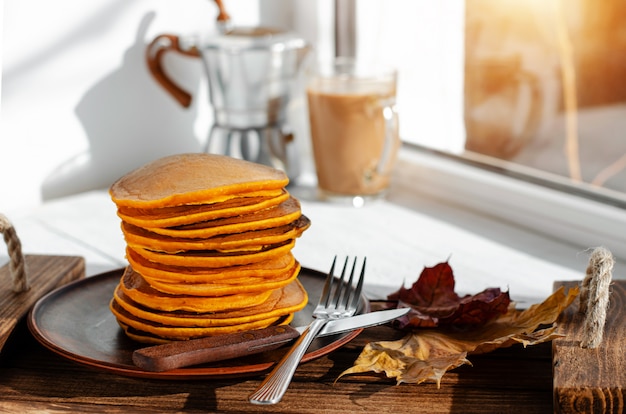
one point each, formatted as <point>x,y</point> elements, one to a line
<point>591,380</point>
<point>45,273</point>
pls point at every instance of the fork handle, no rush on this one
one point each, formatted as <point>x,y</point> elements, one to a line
<point>275,385</point>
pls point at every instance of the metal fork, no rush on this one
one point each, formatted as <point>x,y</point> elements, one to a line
<point>338,300</point>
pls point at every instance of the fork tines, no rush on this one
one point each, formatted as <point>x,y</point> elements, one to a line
<point>343,296</point>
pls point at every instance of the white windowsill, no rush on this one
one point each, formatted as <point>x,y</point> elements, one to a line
<point>570,218</point>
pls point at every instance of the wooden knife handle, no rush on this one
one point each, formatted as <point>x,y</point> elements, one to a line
<point>180,354</point>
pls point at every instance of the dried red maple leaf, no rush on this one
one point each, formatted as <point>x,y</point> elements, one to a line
<point>434,302</point>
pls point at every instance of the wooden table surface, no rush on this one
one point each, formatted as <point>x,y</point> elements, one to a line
<point>34,379</point>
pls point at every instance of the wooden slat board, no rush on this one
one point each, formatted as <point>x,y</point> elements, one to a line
<point>591,380</point>
<point>45,273</point>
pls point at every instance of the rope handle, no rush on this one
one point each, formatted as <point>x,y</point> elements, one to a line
<point>594,296</point>
<point>17,267</point>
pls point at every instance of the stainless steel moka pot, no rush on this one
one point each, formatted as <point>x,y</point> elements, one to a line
<point>252,75</point>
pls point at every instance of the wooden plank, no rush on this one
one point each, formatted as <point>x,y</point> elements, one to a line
<point>591,380</point>
<point>45,273</point>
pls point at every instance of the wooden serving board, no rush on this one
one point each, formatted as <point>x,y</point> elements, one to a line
<point>45,273</point>
<point>591,380</point>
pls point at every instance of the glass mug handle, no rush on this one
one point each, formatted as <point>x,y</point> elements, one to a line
<point>154,55</point>
<point>390,116</point>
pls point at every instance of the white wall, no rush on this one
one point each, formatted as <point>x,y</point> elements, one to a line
<point>79,107</point>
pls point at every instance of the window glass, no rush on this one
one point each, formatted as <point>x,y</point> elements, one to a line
<point>535,84</point>
<point>545,86</point>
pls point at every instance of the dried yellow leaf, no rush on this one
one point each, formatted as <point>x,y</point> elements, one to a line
<point>427,354</point>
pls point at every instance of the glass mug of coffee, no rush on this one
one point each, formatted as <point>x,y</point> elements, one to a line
<point>354,128</point>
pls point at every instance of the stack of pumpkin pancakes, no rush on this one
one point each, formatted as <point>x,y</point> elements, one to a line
<point>208,241</point>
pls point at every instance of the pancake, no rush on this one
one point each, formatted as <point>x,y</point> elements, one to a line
<point>193,213</point>
<point>212,258</point>
<point>264,307</point>
<point>289,299</point>
<point>280,215</point>
<point>182,333</point>
<point>148,338</point>
<point>194,274</point>
<point>246,241</point>
<point>137,289</point>
<point>221,289</point>
<point>195,178</point>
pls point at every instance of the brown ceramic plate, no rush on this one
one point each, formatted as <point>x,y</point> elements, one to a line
<point>75,322</point>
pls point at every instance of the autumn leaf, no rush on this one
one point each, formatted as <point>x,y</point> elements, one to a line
<point>434,302</point>
<point>427,354</point>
